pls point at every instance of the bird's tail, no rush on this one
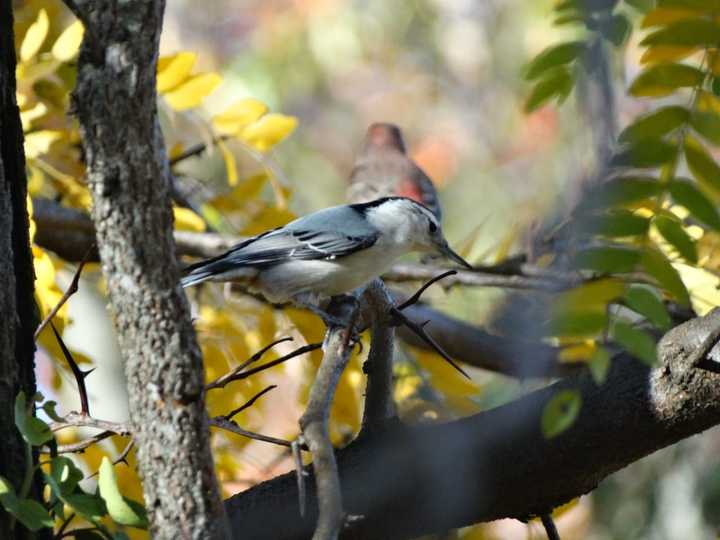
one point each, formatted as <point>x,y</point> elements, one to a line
<point>217,269</point>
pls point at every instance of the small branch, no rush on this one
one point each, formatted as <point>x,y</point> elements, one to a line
<point>72,289</point>
<point>76,371</point>
<point>550,528</point>
<point>297,352</point>
<point>76,419</point>
<point>415,298</point>
<point>300,474</point>
<point>699,357</point>
<point>249,403</point>
<point>419,330</point>
<point>379,404</point>
<point>122,458</point>
<point>80,446</point>
<point>228,425</point>
<point>226,379</point>
<point>314,426</point>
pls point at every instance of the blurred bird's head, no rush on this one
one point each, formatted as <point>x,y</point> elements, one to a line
<point>384,135</point>
<point>411,224</point>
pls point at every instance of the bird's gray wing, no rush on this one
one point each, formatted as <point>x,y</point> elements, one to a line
<point>318,236</point>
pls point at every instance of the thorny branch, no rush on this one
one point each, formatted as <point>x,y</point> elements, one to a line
<point>76,371</point>
<point>314,427</point>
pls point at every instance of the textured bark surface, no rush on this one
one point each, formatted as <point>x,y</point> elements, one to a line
<point>115,102</point>
<point>407,482</point>
<point>18,318</point>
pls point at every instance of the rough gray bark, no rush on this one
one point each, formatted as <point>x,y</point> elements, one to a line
<point>115,102</point>
<point>407,482</point>
<point>18,318</point>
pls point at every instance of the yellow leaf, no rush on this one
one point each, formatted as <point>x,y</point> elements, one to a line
<point>187,220</point>
<point>21,99</point>
<point>28,74</point>
<point>243,192</point>
<point>33,226</point>
<point>239,115</point>
<point>269,130</point>
<point>578,352</point>
<point>662,16</point>
<point>174,70</point>
<point>707,102</point>
<point>67,45</point>
<point>36,180</point>
<point>444,377</point>
<point>666,53</point>
<point>230,164</point>
<point>35,36</point>
<point>27,117</point>
<point>594,295</point>
<point>39,142</point>
<point>191,93</point>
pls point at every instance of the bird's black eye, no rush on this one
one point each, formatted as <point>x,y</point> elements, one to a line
<point>432,227</point>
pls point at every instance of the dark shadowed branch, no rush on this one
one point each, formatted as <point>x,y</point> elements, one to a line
<point>411,481</point>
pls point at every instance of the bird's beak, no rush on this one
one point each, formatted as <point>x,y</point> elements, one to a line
<point>447,251</point>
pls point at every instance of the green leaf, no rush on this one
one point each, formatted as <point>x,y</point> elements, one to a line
<point>552,57</point>
<point>90,507</point>
<point>121,509</point>
<point>7,494</point>
<point>622,191</point>
<point>686,33</point>
<point>617,30</point>
<point>645,153</point>
<point>684,193</point>
<point>557,83</point>
<point>702,165</point>
<point>32,514</point>
<point>64,476</point>
<point>578,323</point>
<point>606,260</point>
<point>641,5</point>
<point>673,232</point>
<point>560,412</point>
<point>49,408</point>
<point>663,79</point>
<point>658,266</point>
<point>617,223</point>
<point>707,124</point>
<point>704,6</point>
<point>715,87</point>
<point>655,124</point>
<point>637,342</point>
<point>33,430</point>
<point>599,365</point>
<point>645,301</point>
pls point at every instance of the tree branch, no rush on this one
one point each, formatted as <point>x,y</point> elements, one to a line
<point>314,426</point>
<point>379,404</point>
<point>411,481</point>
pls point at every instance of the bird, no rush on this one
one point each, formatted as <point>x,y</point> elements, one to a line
<point>384,169</point>
<point>327,253</point>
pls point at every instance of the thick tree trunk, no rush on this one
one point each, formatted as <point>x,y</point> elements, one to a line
<point>408,482</point>
<point>115,102</point>
<point>18,318</point>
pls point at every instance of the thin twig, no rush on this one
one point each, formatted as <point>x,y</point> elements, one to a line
<point>76,419</point>
<point>78,373</point>
<point>228,425</point>
<point>122,458</point>
<point>262,367</point>
<point>314,427</point>
<point>80,446</point>
<point>419,330</point>
<point>249,403</point>
<point>72,289</point>
<point>299,474</point>
<point>65,523</point>
<point>550,528</point>
<point>226,379</point>
<point>415,298</point>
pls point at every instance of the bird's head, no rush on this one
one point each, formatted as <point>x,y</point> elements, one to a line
<point>412,224</point>
<point>384,135</point>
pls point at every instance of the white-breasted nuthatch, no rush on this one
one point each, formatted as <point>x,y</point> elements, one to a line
<point>327,253</point>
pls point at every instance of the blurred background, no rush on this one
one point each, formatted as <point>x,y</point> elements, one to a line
<point>450,74</point>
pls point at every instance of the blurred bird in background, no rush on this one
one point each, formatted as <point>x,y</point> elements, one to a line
<point>383,169</point>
